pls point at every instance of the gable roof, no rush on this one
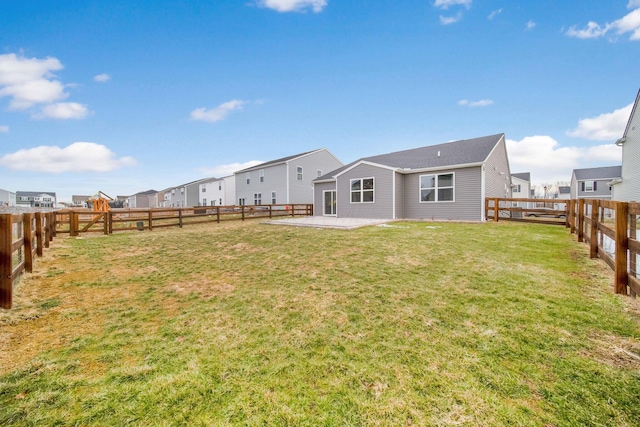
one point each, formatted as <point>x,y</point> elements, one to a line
<point>34,193</point>
<point>525,176</point>
<point>277,161</point>
<point>145,193</point>
<point>607,172</point>
<point>564,189</point>
<point>466,151</point>
<point>633,111</point>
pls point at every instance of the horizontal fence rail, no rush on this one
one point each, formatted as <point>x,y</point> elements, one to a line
<point>79,221</point>
<point>608,227</point>
<point>23,236</point>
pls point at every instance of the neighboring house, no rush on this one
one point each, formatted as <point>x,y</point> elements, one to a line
<point>79,201</point>
<point>7,198</point>
<point>286,180</point>
<point>521,188</point>
<point>627,189</point>
<point>184,195</point>
<point>218,192</point>
<point>564,192</point>
<point>143,199</point>
<point>594,183</point>
<point>36,199</point>
<point>445,182</point>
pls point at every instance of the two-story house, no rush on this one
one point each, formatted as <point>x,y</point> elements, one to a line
<point>36,199</point>
<point>627,188</point>
<point>218,192</point>
<point>7,198</point>
<point>594,183</point>
<point>285,180</point>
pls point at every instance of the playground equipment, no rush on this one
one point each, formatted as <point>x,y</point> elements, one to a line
<point>100,202</point>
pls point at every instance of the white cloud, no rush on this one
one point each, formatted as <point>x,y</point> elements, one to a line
<point>494,14</point>
<point>445,4</point>
<point>102,78</point>
<point>293,5</point>
<point>481,103</point>
<point>605,127</point>
<point>549,163</point>
<point>219,113</point>
<point>29,81</point>
<point>77,157</point>
<point>446,20</point>
<point>226,170</point>
<point>629,23</point>
<point>64,111</point>
<point>530,25</point>
<point>4,129</point>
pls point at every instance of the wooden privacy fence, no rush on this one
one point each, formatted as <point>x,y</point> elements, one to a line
<point>22,237</point>
<point>609,227</point>
<point>79,221</point>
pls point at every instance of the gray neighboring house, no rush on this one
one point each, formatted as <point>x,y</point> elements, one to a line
<point>7,198</point>
<point>36,199</point>
<point>143,199</point>
<point>521,188</point>
<point>285,180</point>
<point>444,182</point>
<point>185,195</point>
<point>564,192</point>
<point>594,183</point>
<point>627,188</point>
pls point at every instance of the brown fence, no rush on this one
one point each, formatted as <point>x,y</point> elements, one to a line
<point>79,221</point>
<point>609,227</point>
<point>545,211</point>
<point>22,238</point>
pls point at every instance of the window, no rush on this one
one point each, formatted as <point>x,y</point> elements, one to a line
<point>241,201</point>
<point>437,188</point>
<point>220,202</point>
<point>204,189</point>
<point>516,188</point>
<point>219,187</point>
<point>248,176</point>
<point>213,203</point>
<point>299,173</point>
<point>182,190</point>
<point>329,202</point>
<point>173,191</point>
<point>589,186</point>
<point>273,198</point>
<point>362,190</point>
<point>257,199</point>
<point>204,202</point>
<point>261,172</point>
<point>319,173</point>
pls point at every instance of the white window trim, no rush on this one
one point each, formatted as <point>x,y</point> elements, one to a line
<point>362,190</point>
<point>586,189</point>
<point>261,173</point>
<point>323,199</point>
<point>299,175</point>
<point>248,177</point>
<point>436,188</point>
<point>274,197</point>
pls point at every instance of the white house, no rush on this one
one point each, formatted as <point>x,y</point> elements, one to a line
<point>218,192</point>
<point>7,198</point>
<point>627,187</point>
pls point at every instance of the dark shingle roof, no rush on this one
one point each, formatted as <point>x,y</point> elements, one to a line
<point>461,152</point>
<point>277,161</point>
<point>34,193</point>
<point>607,172</point>
<point>525,176</point>
<point>564,189</point>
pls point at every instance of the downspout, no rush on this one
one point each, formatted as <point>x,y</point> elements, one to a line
<point>483,193</point>
<point>288,178</point>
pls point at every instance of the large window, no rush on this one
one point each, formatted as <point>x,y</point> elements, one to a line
<point>362,190</point>
<point>273,198</point>
<point>257,198</point>
<point>437,188</point>
<point>589,186</point>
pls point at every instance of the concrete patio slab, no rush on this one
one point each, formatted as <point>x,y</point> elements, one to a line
<point>327,222</point>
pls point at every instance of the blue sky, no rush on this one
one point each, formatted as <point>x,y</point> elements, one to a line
<point>124,96</point>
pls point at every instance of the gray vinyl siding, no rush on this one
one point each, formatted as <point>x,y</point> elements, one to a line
<point>629,189</point>
<point>603,191</point>
<point>382,207</point>
<point>400,196</point>
<point>318,196</point>
<point>497,176</point>
<point>275,179</point>
<point>302,191</point>
<point>467,196</point>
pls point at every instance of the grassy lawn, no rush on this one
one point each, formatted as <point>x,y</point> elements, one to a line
<point>502,324</point>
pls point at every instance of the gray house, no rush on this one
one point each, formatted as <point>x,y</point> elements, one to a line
<point>594,183</point>
<point>143,199</point>
<point>36,199</point>
<point>285,180</point>
<point>628,187</point>
<point>183,195</point>
<point>446,182</point>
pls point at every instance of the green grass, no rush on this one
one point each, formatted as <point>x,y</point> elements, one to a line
<point>247,324</point>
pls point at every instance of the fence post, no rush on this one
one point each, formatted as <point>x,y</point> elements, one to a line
<point>73,223</point>
<point>218,214</point>
<point>270,207</point>
<point>580,220</point>
<point>27,238</point>
<point>150,219</point>
<point>180,217</point>
<point>496,204</point>
<point>47,230</point>
<point>595,219</point>
<point>6,269</point>
<point>293,210</point>
<point>242,209</point>
<point>633,226</point>
<point>622,243</point>
<point>39,233</point>
<point>54,223</point>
